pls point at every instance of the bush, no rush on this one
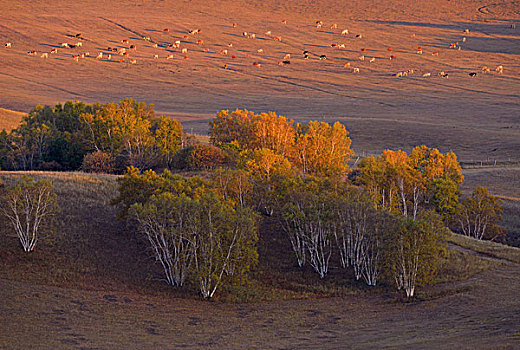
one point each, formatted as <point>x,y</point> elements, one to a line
<point>98,162</point>
<point>50,166</point>
<point>199,157</point>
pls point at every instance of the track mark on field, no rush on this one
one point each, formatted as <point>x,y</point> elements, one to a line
<point>43,84</point>
<point>313,88</point>
<point>122,27</point>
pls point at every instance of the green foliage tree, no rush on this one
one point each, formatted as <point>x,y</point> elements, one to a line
<point>413,252</point>
<point>137,187</point>
<point>169,223</point>
<point>30,207</point>
<point>479,214</point>
<point>225,245</point>
<point>195,233</point>
<point>304,210</point>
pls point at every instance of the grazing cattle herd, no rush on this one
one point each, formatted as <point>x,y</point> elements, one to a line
<point>166,50</point>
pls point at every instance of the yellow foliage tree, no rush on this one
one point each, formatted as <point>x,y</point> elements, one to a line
<point>322,149</point>
<point>400,182</point>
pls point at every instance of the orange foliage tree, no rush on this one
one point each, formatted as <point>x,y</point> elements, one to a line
<point>317,148</point>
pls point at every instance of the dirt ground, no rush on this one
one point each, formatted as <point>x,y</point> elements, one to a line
<point>476,117</point>
<point>485,315</point>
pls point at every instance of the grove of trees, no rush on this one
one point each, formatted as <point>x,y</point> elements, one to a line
<point>385,221</point>
<point>58,138</point>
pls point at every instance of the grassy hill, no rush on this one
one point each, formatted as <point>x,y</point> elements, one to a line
<point>92,284</point>
<point>473,116</point>
<point>10,119</point>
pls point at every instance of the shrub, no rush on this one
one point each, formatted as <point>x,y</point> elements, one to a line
<point>98,162</point>
<point>204,157</point>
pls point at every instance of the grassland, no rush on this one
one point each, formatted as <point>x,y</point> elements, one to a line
<point>93,285</point>
<point>475,117</point>
<point>9,119</point>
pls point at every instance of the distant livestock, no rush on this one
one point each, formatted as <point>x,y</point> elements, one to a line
<point>8,44</point>
<point>344,32</point>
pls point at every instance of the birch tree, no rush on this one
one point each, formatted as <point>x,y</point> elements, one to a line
<point>479,214</point>
<point>414,250</point>
<point>306,217</point>
<point>30,206</point>
<point>168,223</point>
<point>224,245</point>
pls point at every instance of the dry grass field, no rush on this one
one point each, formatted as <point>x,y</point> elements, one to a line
<point>477,117</point>
<point>92,285</point>
<point>9,119</point>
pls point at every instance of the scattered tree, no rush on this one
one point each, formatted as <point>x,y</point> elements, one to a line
<point>479,215</point>
<point>30,207</point>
